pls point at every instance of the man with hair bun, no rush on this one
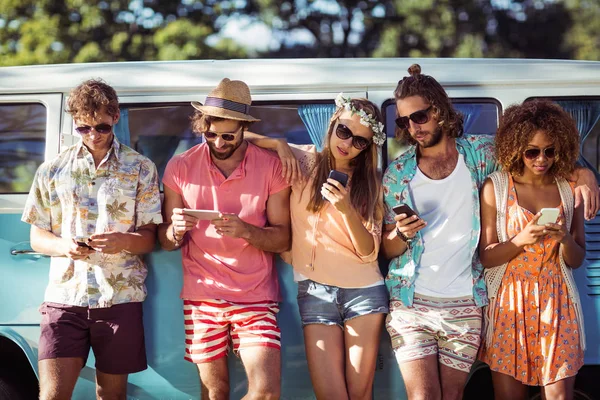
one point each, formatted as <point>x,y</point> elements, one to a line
<point>435,278</point>
<point>94,208</point>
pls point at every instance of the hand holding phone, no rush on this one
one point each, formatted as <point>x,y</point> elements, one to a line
<point>83,242</point>
<point>338,176</point>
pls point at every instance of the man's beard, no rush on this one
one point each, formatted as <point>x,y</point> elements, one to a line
<point>434,139</point>
<point>224,155</point>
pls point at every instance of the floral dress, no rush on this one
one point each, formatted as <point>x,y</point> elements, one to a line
<point>536,336</point>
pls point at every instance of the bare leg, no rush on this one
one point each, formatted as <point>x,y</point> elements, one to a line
<point>58,377</point>
<point>453,382</point>
<point>214,379</point>
<point>263,368</point>
<point>422,379</point>
<point>560,390</point>
<point>325,353</point>
<point>110,386</point>
<point>362,342</point>
<point>508,388</point>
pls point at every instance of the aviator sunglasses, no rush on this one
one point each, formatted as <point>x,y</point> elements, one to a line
<point>343,132</point>
<point>532,154</point>
<point>100,128</point>
<point>228,137</point>
<point>418,117</point>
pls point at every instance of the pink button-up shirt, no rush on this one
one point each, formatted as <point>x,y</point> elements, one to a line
<point>221,267</point>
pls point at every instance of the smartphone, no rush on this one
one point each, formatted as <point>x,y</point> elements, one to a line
<point>339,176</point>
<point>202,214</point>
<point>83,241</point>
<point>549,216</point>
<point>404,209</point>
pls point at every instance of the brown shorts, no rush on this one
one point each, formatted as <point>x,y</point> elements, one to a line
<point>115,334</point>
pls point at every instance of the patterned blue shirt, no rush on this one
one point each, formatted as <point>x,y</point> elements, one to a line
<point>478,153</point>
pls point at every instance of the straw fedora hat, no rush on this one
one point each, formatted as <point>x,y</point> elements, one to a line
<point>229,100</point>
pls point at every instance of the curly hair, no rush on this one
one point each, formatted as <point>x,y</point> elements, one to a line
<point>425,86</point>
<point>201,122</point>
<point>521,122</point>
<point>89,98</point>
<point>366,181</point>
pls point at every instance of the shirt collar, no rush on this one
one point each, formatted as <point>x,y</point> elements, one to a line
<point>115,148</point>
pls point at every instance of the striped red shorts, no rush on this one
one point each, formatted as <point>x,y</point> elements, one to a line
<point>210,324</point>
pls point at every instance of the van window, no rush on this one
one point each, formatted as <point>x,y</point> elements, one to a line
<point>22,145</point>
<point>480,118</point>
<point>160,131</point>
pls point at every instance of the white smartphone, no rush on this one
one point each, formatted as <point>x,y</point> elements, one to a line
<point>549,216</point>
<point>202,214</point>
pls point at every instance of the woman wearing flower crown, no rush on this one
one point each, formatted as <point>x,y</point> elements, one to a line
<point>336,231</point>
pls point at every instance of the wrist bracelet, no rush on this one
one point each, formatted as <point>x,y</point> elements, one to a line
<point>177,242</point>
<point>403,237</point>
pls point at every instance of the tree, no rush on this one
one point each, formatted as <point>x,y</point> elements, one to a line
<point>48,31</point>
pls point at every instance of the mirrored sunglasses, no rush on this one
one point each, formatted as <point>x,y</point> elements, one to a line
<point>100,128</point>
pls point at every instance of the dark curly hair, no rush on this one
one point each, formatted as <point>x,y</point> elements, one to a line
<point>87,99</point>
<point>428,88</point>
<point>521,122</point>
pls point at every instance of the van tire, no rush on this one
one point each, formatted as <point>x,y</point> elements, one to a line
<point>9,390</point>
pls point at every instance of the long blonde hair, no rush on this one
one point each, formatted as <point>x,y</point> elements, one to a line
<point>365,191</point>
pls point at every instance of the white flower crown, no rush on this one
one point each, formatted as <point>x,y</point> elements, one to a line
<point>365,119</point>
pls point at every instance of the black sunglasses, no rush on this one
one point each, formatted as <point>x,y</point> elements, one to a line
<point>532,154</point>
<point>100,128</point>
<point>228,137</point>
<point>343,132</point>
<point>418,117</point>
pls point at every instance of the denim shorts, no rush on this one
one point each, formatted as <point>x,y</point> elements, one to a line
<point>332,305</point>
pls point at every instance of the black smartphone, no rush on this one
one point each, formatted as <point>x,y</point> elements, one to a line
<point>404,209</point>
<point>339,176</point>
<point>83,242</point>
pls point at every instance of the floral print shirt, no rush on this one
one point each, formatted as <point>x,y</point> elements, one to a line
<point>478,153</point>
<point>70,197</point>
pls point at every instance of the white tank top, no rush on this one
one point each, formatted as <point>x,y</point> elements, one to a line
<point>447,206</point>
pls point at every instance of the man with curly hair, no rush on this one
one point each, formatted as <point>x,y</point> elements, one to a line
<point>435,278</point>
<point>94,208</point>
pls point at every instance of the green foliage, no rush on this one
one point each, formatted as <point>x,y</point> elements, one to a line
<point>62,31</point>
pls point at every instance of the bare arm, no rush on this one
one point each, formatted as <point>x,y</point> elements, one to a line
<point>175,222</point>
<point>139,242</point>
<point>46,242</point>
<point>391,245</point>
<point>586,191</point>
<point>290,168</point>
<point>275,237</point>
<point>491,252</point>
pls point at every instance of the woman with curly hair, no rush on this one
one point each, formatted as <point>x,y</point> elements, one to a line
<point>534,333</point>
<point>336,234</point>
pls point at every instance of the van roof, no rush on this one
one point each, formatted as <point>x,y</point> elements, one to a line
<point>270,75</point>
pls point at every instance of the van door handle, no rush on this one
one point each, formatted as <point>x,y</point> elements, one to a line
<point>24,250</point>
<point>14,252</point>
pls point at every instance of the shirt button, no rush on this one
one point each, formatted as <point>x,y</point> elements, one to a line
<point>540,251</point>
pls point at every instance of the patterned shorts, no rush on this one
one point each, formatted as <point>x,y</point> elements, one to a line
<point>449,328</point>
<point>210,325</point>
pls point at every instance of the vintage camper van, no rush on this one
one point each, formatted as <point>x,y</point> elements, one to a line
<point>291,97</point>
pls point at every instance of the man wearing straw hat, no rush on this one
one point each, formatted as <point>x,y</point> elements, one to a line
<point>230,287</point>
